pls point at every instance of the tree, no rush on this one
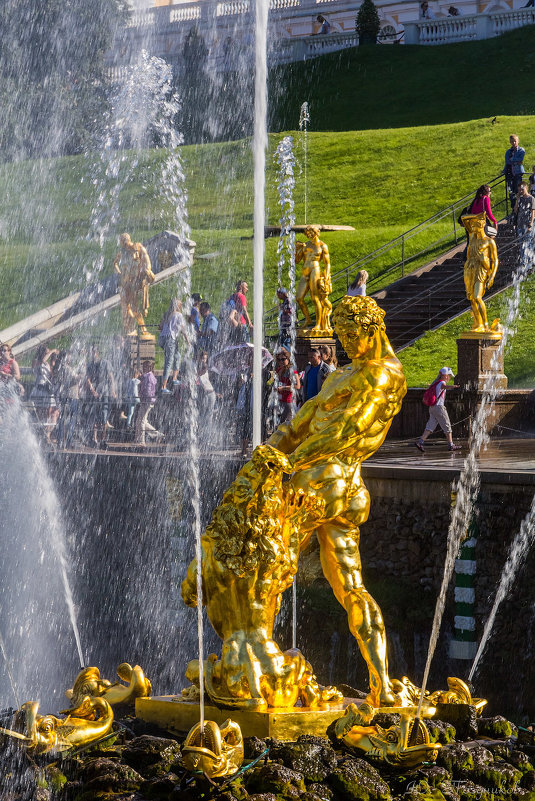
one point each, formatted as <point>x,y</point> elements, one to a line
<point>368,23</point>
<point>53,80</point>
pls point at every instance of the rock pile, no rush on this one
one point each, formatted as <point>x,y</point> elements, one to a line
<point>498,764</point>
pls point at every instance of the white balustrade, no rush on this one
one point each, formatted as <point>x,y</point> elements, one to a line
<point>141,19</point>
<point>280,5</point>
<point>184,13</point>
<point>450,29</point>
<point>503,21</point>
<point>231,7</point>
<point>330,42</point>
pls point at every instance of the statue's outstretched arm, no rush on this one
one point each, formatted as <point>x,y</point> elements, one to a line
<point>289,435</point>
<point>116,261</point>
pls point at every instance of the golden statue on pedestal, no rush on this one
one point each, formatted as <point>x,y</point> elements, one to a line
<point>479,270</point>
<point>315,282</point>
<point>251,548</point>
<point>133,265</point>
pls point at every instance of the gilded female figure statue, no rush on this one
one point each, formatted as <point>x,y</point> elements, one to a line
<point>479,269</point>
<point>133,265</point>
<point>314,281</point>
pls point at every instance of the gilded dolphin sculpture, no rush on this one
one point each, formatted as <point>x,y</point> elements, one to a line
<point>92,720</point>
<point>458,692</point>
<point>390,745</point>
<point>217,752</point>
<point>89,682</point>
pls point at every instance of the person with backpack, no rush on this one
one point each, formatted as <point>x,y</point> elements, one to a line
<point>434,398</point>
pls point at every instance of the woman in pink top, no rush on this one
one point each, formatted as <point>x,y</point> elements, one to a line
<point>481,202</point>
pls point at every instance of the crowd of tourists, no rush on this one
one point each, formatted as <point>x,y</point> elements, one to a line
<point>87,396</point>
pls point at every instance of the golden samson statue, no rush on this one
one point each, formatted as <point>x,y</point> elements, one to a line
<point>479,270</point>
<point>132,263</point>
<point>250,550</point>
<point>314,281</point>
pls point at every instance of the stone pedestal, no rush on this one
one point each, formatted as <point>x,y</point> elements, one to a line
<point>478,356</point>
<point>175,714</point>
<point>303,345</point>
<point>138,350</point>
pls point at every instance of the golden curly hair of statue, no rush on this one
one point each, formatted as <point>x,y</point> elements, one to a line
<point>359,310</point>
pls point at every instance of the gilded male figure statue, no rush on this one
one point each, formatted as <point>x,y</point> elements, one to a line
<point>133,265</point>
<point>315,281</point>
<point>250,555</point>
<point>479,269</point>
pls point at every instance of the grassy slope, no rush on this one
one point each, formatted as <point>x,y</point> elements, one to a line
<point>380,194</point>
<point>381,184</point>
<point>386,86</point>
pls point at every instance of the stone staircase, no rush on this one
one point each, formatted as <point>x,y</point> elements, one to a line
<point>434,294</point>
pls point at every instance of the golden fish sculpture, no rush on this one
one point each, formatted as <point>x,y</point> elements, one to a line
<point>217,753</point>
<point>92,720</point>
<point>356,731</point>
<point>89,683</point>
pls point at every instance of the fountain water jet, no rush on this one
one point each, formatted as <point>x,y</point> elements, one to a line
<point>259,149</point>
<point>517,553</point>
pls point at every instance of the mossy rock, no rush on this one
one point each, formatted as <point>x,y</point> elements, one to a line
<point>56,779</point>
<point>440,731</point>
<point>448,791</point>
<point>468,791</point>
<point>356,780</point>
<point>498,727</point>
<point>253,747</point>
<point>462,716</point>
<point>481,755</point>
<point>523,795</point>
<point>527,782</point>
<point>152,756</point>
<point>434,775</point>
<point>455,758</point>
<point>499,778</point>
<point>310,756</point>
<point>101,775</point>
<point>423,792</point>
<point>276,779</point>
<point>320,789</point>
<point>160,787</point>
<point>520,761</point>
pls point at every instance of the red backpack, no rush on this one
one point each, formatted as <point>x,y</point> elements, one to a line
<point>430,394</point>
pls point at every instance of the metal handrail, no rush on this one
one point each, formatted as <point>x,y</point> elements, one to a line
<point>455,234</point>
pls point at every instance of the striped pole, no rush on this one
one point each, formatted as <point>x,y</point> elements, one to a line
<point>464,645</point>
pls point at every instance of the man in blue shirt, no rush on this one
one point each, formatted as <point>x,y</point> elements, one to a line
<point>514,168</point>
<point>316,372</point>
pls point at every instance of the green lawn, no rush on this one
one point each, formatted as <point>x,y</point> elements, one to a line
<point>48,246</point>
<point>387,86</point>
